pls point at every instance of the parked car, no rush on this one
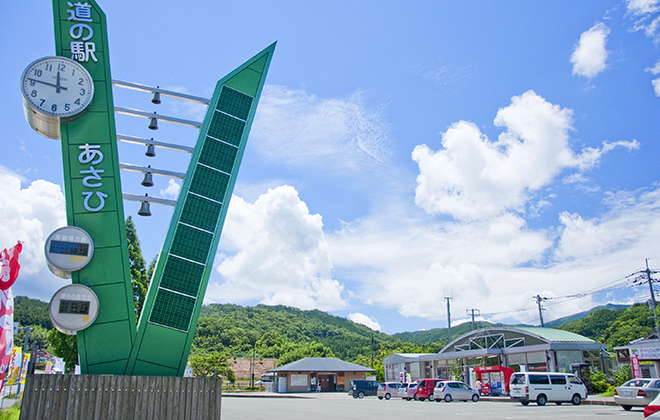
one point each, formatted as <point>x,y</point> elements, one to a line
<point>652,411</point>
<point>411,389</point>
<point>361,388</point>
<point>454,390</point>
<point>636,393</point>
<point>401,392</point>
<point>425,388</point>
<point>542,387</point>
<point>387,389</point>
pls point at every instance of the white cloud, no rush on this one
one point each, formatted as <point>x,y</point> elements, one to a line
<point>497,265</point>
<point>656,86</point>
<point>642,12</point>
<point>278,255</point>
<point>590,54</point>
<point>303,130</point>
<point>29,215</point>
<point>622,230</point>
<point>364,320</point>
<point>473,178</point>
<point>172,189</point>
<point>412,264</point>
<point>655,69</point>
<point>642,7</point>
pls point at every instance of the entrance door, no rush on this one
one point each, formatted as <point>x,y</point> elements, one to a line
<point>327,383</point>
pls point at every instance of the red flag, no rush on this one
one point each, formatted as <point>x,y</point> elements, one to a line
<point>9,266</point>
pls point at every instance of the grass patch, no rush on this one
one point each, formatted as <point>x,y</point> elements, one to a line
<point>11,413</point>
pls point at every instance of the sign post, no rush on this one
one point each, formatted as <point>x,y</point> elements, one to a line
<point>92,189</point>
<point>69,97</point>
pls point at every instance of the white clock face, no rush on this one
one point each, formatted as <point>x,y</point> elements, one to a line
<point>57,87</point>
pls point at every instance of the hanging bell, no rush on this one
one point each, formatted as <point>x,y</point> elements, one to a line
<point>156,98</point>
<point>151,150</point>
<point>153,124</point>
<point>148,180</point>
<point>144,208</point>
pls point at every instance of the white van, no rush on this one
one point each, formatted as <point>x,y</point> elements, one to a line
<point>547,386</point>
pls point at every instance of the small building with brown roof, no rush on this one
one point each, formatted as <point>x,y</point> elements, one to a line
<point>306,374</point>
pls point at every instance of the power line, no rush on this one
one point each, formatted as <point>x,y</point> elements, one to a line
<point>637,278</point>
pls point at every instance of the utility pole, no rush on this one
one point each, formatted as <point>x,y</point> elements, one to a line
<point>448,317</point>
<point>473,312</point>
<point>539,299</point>
<point>644,276</point>
<point>653,304</point>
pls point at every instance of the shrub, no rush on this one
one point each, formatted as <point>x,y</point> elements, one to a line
<point>599,382</point>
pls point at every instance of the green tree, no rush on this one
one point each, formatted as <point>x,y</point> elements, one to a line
<point>622,374</point>
<point>207,363</point>
<point>31,312</point>
<point>64,346</point>
<point>38,334</point>
<point>299,351</point>
<point>634,322</point>
<point>140,273</point>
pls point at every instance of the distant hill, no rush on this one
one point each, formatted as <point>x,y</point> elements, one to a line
<point>31,312</point>
<point>572,318</point>
<point>440,336</point>
<point>289,334</point>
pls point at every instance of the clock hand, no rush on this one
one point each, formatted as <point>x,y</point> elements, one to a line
<point>57,84</point>
<point>46,83</point>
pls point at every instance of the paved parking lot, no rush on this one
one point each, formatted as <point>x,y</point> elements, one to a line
<point>371,408</point>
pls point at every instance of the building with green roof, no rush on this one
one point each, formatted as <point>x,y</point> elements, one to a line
<point>520,348</point>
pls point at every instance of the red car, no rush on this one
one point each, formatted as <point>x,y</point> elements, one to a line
<point>425,388</point>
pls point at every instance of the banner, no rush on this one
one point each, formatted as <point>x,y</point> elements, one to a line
<point>9,265</point>
<point>6,331</point>
<point>634,361</point>
<point>14,366</point>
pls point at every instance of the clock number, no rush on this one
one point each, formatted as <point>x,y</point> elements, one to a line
<point>33,94</point>
<point>80,81</point>
<point>53,108</point>
<point>49,67</point>
<point>61,67</point>
<point>67,107</point>
<point>77,101</point>
<point>82,92</point>
<point>38,73</point>
<point>32,83</point>
<point>42,102</point>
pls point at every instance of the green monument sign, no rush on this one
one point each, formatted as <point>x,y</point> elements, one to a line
<point>69,96</point>
<point>171,310</point>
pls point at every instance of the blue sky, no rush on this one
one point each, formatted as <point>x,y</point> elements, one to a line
<point>402,152</point>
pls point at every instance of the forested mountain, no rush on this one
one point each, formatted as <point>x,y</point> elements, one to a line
<point>286,333</point>
<point>289,334</point>
<point>439,337</point>
<point>614,328</point>
<point>31,312</point>
<point>572,318</point>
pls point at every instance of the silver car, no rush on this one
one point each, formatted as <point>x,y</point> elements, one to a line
<point>401,392</point>
<point>407,391</point>
<point>388,389</point>
<point>454,390</point>
<point>636,393</point>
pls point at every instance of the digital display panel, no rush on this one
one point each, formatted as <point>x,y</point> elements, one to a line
<point>80,307</point>
<point>68,248</point>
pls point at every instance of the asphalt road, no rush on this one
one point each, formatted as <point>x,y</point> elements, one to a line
<point>395,409</point>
